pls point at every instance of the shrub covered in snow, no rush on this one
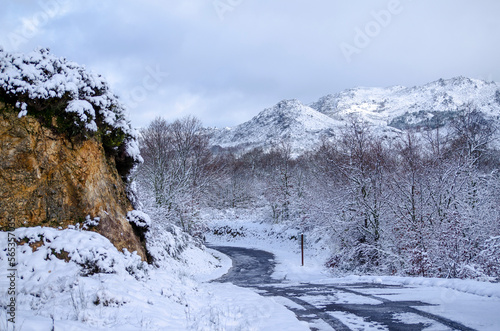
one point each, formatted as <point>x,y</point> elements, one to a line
<point>165,241</point>
<point>89,251</point>
<point>139,219</point>
<point>69,99</point>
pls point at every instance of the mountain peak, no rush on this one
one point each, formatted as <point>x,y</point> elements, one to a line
<point>389,109</point>
<point>288,103</point>
<point>288,108</point>
<point>287,120</point>
<point>381,105</point>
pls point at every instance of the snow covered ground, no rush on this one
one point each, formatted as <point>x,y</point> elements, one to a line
<point>77,280</point>
<point>59,288</point>
<point>471,303</point>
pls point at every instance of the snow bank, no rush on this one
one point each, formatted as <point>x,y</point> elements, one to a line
<point>462,285</point>
<point>77,280</point>
<point>90,251</point>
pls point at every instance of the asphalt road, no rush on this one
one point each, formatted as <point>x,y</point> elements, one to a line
<point>317,303</point>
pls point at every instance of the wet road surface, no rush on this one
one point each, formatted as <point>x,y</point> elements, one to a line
<point>327,307</point>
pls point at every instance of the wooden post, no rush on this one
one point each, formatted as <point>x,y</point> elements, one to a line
<point>302,247</point>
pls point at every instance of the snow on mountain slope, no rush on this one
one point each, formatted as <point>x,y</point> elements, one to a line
<point>389,110</point>
<point>288,120</point>
<point>384,106</point>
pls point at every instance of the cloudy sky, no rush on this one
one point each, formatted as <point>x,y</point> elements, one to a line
<point>223,61</point>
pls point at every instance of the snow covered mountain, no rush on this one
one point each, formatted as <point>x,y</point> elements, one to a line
<point>398,105</point>
<point>289,120</point>
<point>389,110</point>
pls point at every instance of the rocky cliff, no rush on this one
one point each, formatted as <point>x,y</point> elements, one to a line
<point>47,179</point>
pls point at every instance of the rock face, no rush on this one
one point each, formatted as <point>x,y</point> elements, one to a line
<point>48,180</point>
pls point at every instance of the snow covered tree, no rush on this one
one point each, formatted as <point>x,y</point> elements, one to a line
<point>178,168</point>
<point>236,185</point>
<point>471,132</point>
<point>279,190</point>
<point>350,175</point>
<point>365,165</point>
<point>412,217</point>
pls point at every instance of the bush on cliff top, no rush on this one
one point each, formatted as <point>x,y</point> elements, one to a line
<point>69,99</point>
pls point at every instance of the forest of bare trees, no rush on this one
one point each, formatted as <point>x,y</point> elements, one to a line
<point>426,203</point>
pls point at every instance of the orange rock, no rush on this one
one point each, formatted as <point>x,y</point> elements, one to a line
<point>48,180</point>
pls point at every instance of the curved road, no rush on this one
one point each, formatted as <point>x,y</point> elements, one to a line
<point>327,307</point>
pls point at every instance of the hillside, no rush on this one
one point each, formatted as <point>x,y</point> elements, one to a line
<point>289,120</point>
<point>387,110</point>
<point>385,106</point>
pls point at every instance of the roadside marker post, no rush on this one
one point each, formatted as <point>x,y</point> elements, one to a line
<point>302,247</point>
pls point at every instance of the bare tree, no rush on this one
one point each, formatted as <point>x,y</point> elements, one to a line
<point>352,175</point>
<point>471,132</point>
<point>367,159</point>
<point>178,167</point>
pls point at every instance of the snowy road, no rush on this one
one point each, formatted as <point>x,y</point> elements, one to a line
<point>336,306</point>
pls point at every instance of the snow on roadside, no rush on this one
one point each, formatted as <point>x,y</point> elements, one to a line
<point>246,231</point>
<point>462,285</point>
<point>77,280</point>
<point>470,302</point>
<point>476,311</point>
<point>236,308</point>
<point>234,228</point>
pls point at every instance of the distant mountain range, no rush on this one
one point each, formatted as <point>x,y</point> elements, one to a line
<point>389,110</point>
